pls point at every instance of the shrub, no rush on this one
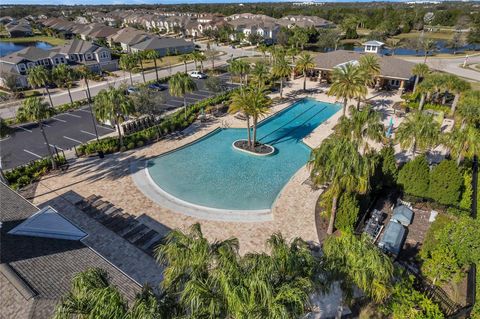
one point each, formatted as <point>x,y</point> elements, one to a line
<point>24,175</point>
<point>130,145</point>
<point>4,128</point>
<point>445,183</point>
<point>140,143</point>
<point>389,166</point>
<point>123,149</point>
<point>466,200</point>
<point>347,214</point>
<point>414,177</point>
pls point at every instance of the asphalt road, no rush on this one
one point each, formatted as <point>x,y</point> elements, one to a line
<point>66,130</point>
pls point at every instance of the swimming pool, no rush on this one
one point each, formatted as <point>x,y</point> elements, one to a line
<point>211,173</point>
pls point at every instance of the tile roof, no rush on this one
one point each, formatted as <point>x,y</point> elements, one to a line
<point>45,265</point>
<point>154,43</point>
<point>390,67</point>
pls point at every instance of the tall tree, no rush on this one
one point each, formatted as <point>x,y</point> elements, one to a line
<point>179,85</point>
<point>39,76</point>
<point>282,70</point>
<point>65,77</point>
<point>420,70</point>
<point>418,131</point>
<point>35,110</point>
<point>428,46</point>
<point>185,58</point>
<point>260,73</point>
<point>258,107</point>
<point>463,142</point>
<point>85,73</point>
<point>212,55</point>
<point>128,63</point>
<point>113,105</point>
<point>153,55</point>
<point>304,64</point>
<point>348,83</point>
<point>338,164</point>
<point>239,103</point>
<point>457,86</point>
<point>469,108</point>
<point>139,57</point>
<point>370,68</point>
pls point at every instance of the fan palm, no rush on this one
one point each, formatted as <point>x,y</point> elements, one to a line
<point>464,142</point>
<point>361,126</point>
<point>304,64</point>
<point>456,86</point>
<point>185,59</point>
<point>179,85</point>
<point>420,70</point>
<point>153,55</point>
<point>469,107</point>
<point>394,44</point>
<point>258,103</point>
<point>64,76</point>
<point>418,131</point>
<point>111,104</point>
<point>212,55</point>
<point>38,76</point>
<point>35,110</point>
<point>427,46</point>
<point>371,69</point>
<point>260,73</point>
<point>239,103</point>
<point>281,69</point>
<point>357,262</point>
<point>348,83</point>
<point>195,56</point>
<point>338,164</point>
<point>240,68</point>
<point>128,62</point>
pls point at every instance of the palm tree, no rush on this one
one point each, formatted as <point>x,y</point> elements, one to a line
<point>394,44</point>
<point>456,86</point>
<point>338,164</point>
<point>420,70</point>
<point>427,46</point>
<point>469,108</point>
<point>113,105</point>
<point>153,55</point>
<point>35,110</point>
<point>38,76</point>
<point>64,76</point>
<point>371,69</point>
<point>259,104</point>
<point>201,58</point>
<point>128,63</point>
<point>263,49</point>
<point>212,55</point>
<point>361,126</point>
<point>260,73</point>
<point>348,83</point>
<point>357,262</point>
<point>463,142</point>
<point>239,103</point>
<point>304,64</point>
<point>240,68</point>
<point>179,85</point>
<point>418,131</point>
<point>85,73</point>
<point>184,59</point>
<point>139,57</point>
<point>281,69</point>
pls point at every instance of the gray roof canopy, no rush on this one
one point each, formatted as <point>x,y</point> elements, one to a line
<point>393,237</point>
<point>403,215</point>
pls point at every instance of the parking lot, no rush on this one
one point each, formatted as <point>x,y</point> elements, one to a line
<point>66,130</point>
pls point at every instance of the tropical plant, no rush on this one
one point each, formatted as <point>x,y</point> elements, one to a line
<point>419,131</point>
<point>414,177</point>
<point>64,76</point>
<point>457,86</point>
<point>370,65</point>
<point>39,76</point>
<point>179,85</point>
<point>240,68</point>
<point>362,125</point>
<point>446,181</point>
<point>338,164</point>
<point>357,262</point>
<point>469,108</point>
<point>214,84</point>
<point>212,55</point>
<point>304,64</point>
<point>35,110</point>
<point>394,44</point>
<point>153,55</point>
<point>128,63</point>
<point>140,56</point>
<point>463,142</point>
<point>260,73</point>
<point>113,105</point>
<point>239,103</point>
<point>348,83</point>
<point>195,56</point>
<point>420,70</point>
<point>185,58</point>
<point>427,45</point>
<point>146,101</point>
<point>282,70</point>
<point>259,104</point>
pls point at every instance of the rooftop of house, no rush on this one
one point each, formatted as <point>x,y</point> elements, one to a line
<point>374,43</point>
<point>37,271</point>
<point>390,67</point>
<point>29,53</point>
<point>153,43</point>
<point>77,46</point>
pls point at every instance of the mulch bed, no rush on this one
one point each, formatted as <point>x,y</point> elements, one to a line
<point>259,147</point>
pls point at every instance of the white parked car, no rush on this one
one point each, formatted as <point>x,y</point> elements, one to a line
<point>197,75</point>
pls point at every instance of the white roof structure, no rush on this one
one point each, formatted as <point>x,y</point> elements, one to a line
<point>344,64</point>
<point>374,43</point>
<point>48,223</point>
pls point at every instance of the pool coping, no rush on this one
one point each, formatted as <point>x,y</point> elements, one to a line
<point>149,188</point>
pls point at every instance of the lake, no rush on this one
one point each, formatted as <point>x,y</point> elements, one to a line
<point>441,47</point>
<point>7,48</point>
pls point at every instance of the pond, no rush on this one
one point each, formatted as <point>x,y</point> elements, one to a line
<point>9,47</point>
<point>441,47</point>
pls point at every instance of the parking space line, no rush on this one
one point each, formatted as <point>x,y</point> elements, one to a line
<point>54,146</point>
<point>170,105</point>
<point>106,127</point>
<point>204,96</point>
<point>72,139</point>
<point>29,131</point>
<point>54,118</point>
<point>69,114</point>
<point>82,110</point>
<point>87,133</point>
<point>204,91</point>
<point>46,125</point>
<point>32,153</point>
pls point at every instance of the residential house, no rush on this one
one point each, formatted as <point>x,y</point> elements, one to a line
<point>164,46</point>
<point>291,21</point>
<point>267,29</point>
<point>127,37</point>
<point>21,28</point>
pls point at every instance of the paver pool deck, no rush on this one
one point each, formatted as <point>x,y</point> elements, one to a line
<point>111,177</point>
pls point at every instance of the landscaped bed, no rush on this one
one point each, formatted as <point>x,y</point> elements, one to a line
<point>259,149</point>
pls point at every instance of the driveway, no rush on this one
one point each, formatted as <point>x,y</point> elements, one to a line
<point>67,130</point>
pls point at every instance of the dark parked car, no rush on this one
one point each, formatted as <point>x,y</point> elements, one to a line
<point>157,87</point>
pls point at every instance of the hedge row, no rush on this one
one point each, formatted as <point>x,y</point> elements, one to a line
<point>176,121</point>
<point>26,174</point>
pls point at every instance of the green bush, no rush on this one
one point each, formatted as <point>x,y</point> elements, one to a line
<point>389,166</point>
<point>445,183</point>
<point>347,213</point>
<point>4,128</point>
<point>24,175</point>
<point>414,177</point>
<point>140,143</point>
<point>131,146</point>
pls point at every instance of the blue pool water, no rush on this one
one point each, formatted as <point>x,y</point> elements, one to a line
<point>210,172</point>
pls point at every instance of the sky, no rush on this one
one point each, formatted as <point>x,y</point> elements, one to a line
<point>104,2</point>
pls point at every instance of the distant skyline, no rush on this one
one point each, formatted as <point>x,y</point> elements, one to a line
<point>138,2</point>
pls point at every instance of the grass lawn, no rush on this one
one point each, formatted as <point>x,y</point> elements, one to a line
<point>36,38</point>
<point>254,59</point>
<point>440,35</point>
<point>165,61</point>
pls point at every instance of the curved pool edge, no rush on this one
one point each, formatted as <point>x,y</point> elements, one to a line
<point>154,192</point>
